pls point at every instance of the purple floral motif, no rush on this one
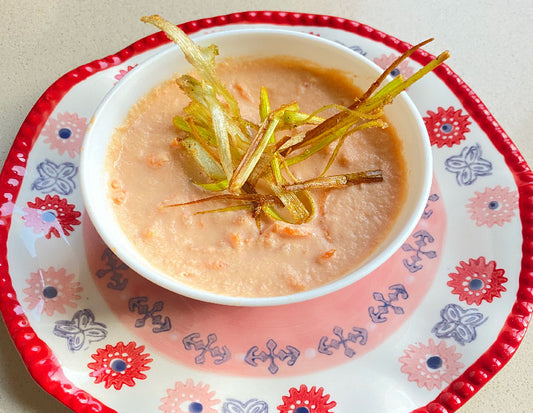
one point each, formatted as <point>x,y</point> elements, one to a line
<point>55,177</point>
<point>398,291</point>
<point>358,49</point>
<point>359,335</point>
<point>250,406</point>
<point>427,211</point>
<point>65,132</point>
<point>458,323</point>
<point>115,267</point>
<point>291,354</point>
<point>139,304</point>
<point>423,239</point>
<point>81,330</point>
<point>468,165</point>
<point>193,342</point>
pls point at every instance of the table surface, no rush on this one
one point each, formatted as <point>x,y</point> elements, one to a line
<point>489,42</point>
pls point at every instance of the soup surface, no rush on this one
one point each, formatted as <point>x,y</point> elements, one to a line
<point>224,252</point>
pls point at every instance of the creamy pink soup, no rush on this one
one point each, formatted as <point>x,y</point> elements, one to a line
<point>224,252</point>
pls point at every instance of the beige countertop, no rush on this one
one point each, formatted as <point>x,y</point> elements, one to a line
<point>491,51</point>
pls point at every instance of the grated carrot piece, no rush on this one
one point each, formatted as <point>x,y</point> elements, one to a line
<point>328,254</point>
<point>235,240</point>
<point>290,231</point>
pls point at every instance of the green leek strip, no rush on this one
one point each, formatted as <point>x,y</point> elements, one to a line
<point>309,202</point>
<point>201,58</point>
<point>238,139</point>
<point>350,121</point>
<point>261,198</point>
<point>319,132</point>
<point>337,181</point>
<point>181,124</point>
<point>405,84</point>
<point>208,165</point>
<point>200,113</point>
<point>254,152</point>
<point>192,87</point>
<point>321,144</point>
<point>214,186</point>
<point>272,213</point>
<point>391,67</point>
<point>264,104</point>
<point>198,137</point>
<point>385,90</point>
<point>293,118</point>
<point>332,138</point>
<point>226,209</point>
<point>260,168</point>
<point>276,170</point>
<point>221,131</point>
<point>288,141</point>
<point>382,99</point>
<point>290,200</point>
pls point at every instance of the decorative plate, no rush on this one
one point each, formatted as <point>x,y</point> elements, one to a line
<point>422,333</point>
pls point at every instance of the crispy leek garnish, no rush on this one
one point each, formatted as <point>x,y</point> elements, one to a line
<point>249,164</point>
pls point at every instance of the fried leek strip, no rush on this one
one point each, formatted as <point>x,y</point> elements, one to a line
<point>202,58</point>
<point>241,159</point>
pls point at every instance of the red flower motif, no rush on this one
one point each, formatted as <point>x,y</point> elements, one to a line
<point>446,127</point>
<point>430,365</point>
<point>477,281</point>
<point>52,290</point>
<point>188,397</point>
<point>306,401</point>
<point>120,364</point>
<point>51,215</point>
<point>495,206</point>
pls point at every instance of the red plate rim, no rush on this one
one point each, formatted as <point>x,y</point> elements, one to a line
<point>39,358</point>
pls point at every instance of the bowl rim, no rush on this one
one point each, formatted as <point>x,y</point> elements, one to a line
<point>160,278</point>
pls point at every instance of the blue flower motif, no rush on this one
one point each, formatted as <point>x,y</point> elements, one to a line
<point>54,177</point>
<point>458,323</point>
<point>468,165</point>
<point>251,406</point>
<point>81,329</point>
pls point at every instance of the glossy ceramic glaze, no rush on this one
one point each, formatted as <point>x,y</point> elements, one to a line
<point>111,113</point>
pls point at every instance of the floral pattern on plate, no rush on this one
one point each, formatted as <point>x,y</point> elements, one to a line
<point>64,133</point>
<point>415,322</point>
<point>431,365</point>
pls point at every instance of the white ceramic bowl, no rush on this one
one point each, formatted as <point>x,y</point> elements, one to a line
<point>111,113</point>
